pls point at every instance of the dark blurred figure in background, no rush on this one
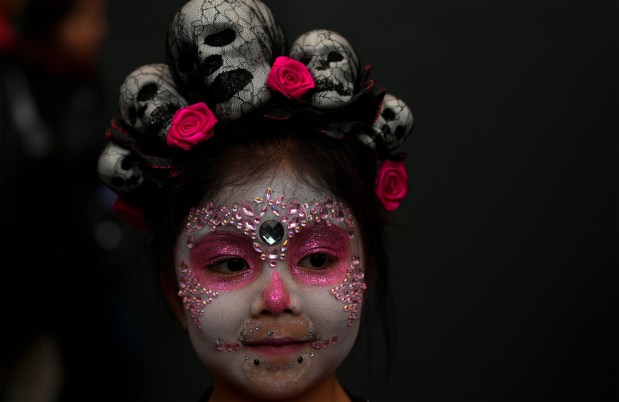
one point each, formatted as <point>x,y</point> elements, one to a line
<point>58,324</point>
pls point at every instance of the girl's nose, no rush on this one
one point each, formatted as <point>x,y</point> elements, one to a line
<point>275,296</point>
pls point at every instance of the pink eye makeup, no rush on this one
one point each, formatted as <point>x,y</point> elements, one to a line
<point>224,261</point>
<point>319,255</point>
<point>271,222</point>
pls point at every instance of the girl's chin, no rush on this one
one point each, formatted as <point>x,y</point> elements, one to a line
<point>272,378</point>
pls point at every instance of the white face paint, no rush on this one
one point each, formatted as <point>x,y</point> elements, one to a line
<point>272,320</point>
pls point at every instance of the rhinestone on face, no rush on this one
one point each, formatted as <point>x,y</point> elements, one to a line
<point>271,232</point>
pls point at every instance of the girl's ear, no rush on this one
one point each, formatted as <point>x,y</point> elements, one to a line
<point>170,292</point>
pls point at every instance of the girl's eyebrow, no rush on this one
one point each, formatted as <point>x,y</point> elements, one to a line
<point>225,233</point>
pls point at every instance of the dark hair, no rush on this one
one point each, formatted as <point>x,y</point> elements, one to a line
<point>345,168</point>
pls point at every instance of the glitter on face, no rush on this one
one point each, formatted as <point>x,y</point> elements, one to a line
<point>195,296</point>
<point>332,243</point>
<point>276,298</point>
<point>254,368</point>
<point>324,343</point>
<point>210,254</point>
<point>247,218</point>
<point>227,346</point>
<point>350,292</point>
<point>241,340</point>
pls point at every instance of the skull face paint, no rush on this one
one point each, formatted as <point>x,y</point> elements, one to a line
<point>276,326</point>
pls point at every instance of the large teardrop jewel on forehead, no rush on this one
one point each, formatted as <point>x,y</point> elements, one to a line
<point>271,232</point>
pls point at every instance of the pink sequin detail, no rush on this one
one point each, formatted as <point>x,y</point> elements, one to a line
<point>227,346</point>
<point>350,292</point>
<point>195,296</point>
<point>324,343</point>
<point>247,219</point>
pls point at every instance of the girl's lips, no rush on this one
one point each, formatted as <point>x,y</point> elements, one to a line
<point>276,347</point>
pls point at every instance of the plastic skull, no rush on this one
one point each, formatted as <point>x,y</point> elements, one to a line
<point>394,123</point>
<point>148,99</point>
<point>225,50</point>
<point>118,170</point>
<point>333,64</point>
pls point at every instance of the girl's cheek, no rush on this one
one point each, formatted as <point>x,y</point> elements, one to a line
<point>332,275</point>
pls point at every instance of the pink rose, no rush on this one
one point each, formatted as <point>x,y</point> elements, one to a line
<point>130,213</point>
<point>190,126</point>
<point>391,184</point>
<point>290,78</point>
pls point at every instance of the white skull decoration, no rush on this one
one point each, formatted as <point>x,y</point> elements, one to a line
<point>333,63</point>
<point>225,49</point>
<point>118,170</point>
<point>148,100</point>
<point>394,123</point>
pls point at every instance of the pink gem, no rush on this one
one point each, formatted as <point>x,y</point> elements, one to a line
<point>190,240</point>
<point>217,219</point>
<point>272,253</point>
<point>294,208</point>
<point>329,202</point>
<point>294,222</point>
<point>324,213</point>
<point>247,210</point>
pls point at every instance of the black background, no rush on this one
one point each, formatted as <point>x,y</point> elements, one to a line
<point>504,255</point>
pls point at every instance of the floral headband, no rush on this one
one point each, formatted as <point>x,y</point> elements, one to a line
<point>226,61</point>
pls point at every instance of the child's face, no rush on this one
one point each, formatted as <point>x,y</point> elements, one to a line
<point>273,293</point>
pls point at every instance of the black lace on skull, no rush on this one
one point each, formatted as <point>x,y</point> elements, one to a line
<point>334,64</point>
<point>223,51</point>
<point>148,100</point>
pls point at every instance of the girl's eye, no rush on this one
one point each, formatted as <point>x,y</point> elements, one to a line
<point>317,261</point>
<point>229,266</point>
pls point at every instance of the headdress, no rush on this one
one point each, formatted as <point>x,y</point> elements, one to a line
<point>229,60</point>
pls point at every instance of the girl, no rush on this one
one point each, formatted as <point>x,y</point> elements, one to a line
<point>263,174</point>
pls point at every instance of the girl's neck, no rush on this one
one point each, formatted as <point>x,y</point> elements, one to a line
<point>328,390</point>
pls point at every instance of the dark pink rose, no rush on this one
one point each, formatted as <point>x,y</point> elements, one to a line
<point>130,213</point>
<point>391,184</point>
<point>290,78</point>
<point>190,126</point>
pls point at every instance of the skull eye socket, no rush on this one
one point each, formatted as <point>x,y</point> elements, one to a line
<point>221,38</point>
<point>334,57</point>
<point>388,114</point>
<point>305,60</point>
<point>147,92</point>
<point>127,162</point>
